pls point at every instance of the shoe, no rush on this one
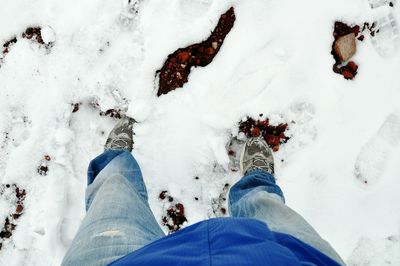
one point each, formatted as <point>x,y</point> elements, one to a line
<point>256,155</point>
<point>121,137</point>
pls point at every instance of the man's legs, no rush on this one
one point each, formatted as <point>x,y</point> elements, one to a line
<point>257,196</point>
<point>118,219</point>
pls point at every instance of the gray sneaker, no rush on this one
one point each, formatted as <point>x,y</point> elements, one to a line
<point>121,137</point>
<point>256,155</point>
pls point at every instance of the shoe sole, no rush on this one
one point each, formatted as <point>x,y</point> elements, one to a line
<point>241,159</point>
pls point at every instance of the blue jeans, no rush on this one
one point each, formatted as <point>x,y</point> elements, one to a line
<point>119,220</point>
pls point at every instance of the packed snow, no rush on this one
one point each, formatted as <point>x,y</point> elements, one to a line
<point>340,169</point>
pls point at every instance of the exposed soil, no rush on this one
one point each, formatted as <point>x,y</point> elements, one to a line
<point>349,69</point>
<point>164,195</point>
<point>113,112</point>
<point>218,204</point>
<point>43,167</point>
<point>10,223</point>
<point>8,44</point>
<point>75,107</point>
<point>33,33</point>
<point>273,135</point>
<point>176,69</point>
<point>175,216</point>
<point>342,29</point>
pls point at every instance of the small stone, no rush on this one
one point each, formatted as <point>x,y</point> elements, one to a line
<point>345,46</point>
<point>255,132</point>
<point>347,74</point>
<point>352,66</point>
<point>184,56</point>
<point>43,169</point>
<point>163,195</point>
<point>75,107</point>
<point>223,211</point>
<point>214,45</point>
<point>210,51</point>
<point>19,208</point>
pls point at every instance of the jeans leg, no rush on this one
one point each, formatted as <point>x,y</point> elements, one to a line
<point>118,219</point>
<point>257,196</point>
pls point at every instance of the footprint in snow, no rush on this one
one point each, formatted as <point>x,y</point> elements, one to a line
<point>386,39</point>
<point>372,159</point>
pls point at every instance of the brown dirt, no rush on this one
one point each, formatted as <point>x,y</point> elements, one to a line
<point>75,107</point>
<point>176,69</point>
<point>175,216</point>
<point>218,203</point>
<point>273,135</point>
<point>43,167</point>
<point>8,44</point>
<point>342,29</point>
<point>33,33</point>
<point>349,69</point>
<point>115,113</point>
<point>10,223</point>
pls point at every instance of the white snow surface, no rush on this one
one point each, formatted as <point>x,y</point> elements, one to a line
<point>275,61</point>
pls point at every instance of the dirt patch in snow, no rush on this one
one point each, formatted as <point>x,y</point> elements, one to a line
<point>349,69</point>
<point>219,204</point>
<point>31,33</point>
<point>114,113</point>
<point>75,107</point>
<point>8,44</point>
<point>43,167</point>
<point>10,222</point>
<point>176,69</point>
<point>175,217</point>
<point>273,135</point>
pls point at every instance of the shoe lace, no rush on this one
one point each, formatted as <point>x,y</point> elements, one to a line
<point>118,142</point>
<point>260,163</point>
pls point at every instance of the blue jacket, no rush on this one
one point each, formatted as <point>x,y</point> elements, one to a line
<point>227,241</point>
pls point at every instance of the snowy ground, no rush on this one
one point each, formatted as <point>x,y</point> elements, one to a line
<point>275,61</point>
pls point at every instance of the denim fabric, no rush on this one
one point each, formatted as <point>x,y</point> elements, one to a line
<point>253,182</point>
<point>119,220</point>
<point>257,196</point>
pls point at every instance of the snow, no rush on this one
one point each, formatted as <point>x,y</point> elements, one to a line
<point>48,35</point>
<point>275,61</point>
